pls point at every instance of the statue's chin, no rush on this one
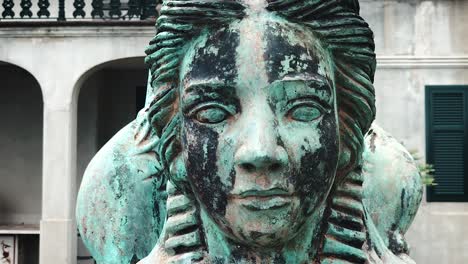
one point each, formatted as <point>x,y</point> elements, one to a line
<point>264,241</point>
<point>262,228</point>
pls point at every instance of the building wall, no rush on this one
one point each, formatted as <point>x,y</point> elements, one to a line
<point>421,43</point>
<point>418,27</point>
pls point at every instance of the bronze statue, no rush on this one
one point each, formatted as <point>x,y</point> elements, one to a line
<point>252,146</point>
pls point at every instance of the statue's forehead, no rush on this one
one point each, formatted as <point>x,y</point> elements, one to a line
<point>268,48</point>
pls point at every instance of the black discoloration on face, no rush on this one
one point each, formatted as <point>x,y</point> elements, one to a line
<point>201,162</point>
<point>212,59</point>
<point>285,55</point>
<point>316,171</point>
<point>201,142</point>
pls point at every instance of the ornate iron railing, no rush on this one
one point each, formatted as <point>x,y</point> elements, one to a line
<point>89,10</point>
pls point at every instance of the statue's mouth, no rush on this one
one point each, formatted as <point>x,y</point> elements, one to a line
<point>263,193</point>
<point>271,199</point>
<point>266,203</point>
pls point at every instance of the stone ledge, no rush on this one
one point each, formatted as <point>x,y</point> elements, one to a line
<point>397,62</point>
<point>90,30</point>
<point>21,229</point>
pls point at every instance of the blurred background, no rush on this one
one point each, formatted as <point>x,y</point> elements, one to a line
<point>72,75</point>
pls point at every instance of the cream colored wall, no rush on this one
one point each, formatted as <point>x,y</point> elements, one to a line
<point>418,27</point>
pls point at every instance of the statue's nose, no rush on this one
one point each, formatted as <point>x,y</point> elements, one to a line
<point>260,151</point>
<point>260,162</point>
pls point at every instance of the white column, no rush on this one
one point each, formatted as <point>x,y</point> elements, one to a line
<point>58,228</point>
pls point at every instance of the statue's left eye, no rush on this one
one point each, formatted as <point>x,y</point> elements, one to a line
<point>211,115</point>
<point>305,113</point>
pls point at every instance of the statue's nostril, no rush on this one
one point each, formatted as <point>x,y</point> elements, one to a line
<point>275,166</point>
<point>248,167</point>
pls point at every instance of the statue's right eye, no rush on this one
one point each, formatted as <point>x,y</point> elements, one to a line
<point>211,115</point>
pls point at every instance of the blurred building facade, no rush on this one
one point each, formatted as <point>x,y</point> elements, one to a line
<point>68,84</point>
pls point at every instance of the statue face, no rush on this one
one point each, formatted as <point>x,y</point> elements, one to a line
<point>260,136</point>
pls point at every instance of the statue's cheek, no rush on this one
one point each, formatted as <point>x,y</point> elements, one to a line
<point>205,169</point>
<point>314,159</point>
<point>225,162</point>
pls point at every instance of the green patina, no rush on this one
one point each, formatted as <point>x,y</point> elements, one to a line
<point>252,146</point>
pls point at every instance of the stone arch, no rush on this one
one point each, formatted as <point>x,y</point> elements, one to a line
<point>21,151</point>
<point>129,62</point>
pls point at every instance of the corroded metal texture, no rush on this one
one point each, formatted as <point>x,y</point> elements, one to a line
<point>251,147</point>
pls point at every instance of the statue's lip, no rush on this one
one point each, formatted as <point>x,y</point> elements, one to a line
<point>258,199</point>
<point>262,193</point>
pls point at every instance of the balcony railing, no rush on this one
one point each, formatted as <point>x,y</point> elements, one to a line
<point>78,10</point>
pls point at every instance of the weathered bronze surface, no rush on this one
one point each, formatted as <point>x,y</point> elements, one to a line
<point>256,145</point>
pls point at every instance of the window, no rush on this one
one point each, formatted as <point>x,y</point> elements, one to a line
<point>446,145</point>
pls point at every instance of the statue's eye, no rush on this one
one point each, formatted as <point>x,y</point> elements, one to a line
<point>211,115</point>
<point>305,113</point>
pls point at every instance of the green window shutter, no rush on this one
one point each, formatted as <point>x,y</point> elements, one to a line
<point>446,134</point>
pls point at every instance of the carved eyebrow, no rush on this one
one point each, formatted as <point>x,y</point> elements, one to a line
<point>319,86</point>
<point>203,91</point>
<point>213,86</point>
<point>314,78</point>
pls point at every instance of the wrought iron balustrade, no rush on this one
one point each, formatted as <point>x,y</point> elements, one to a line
<point>83,10</point>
